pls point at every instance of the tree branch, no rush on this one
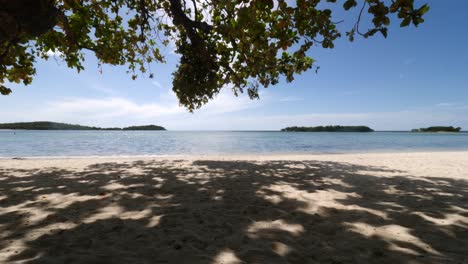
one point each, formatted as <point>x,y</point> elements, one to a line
<point>180,18</point>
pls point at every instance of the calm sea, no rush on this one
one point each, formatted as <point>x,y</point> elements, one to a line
<point>125,143</point>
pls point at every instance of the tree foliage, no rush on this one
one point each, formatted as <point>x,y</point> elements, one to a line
<point>47,125</point>
<point>438,129</point>
<point>241,44</point>
<point>328,129</point>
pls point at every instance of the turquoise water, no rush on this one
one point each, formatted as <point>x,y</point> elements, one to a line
<point>110,143</point>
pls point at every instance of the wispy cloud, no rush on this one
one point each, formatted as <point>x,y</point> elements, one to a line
<point>445,104</point>
<point>291,99</point>
<point>227,102</point>
<point>119,111</point>
<point>113,107</point>
<point>397,120</point>
<point>157,84</point>
<point>172,48</point>
<point>103,88</point>
<point>227,112</point>
<point>409,61</point>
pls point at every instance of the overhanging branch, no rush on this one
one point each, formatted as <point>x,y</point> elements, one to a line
<point>179,18</point>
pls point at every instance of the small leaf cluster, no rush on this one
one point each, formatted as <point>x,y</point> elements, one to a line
<point>381,11</point>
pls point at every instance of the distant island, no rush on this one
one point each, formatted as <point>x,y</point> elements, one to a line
<point>149,127</point>
<point>46,125</point>
<point>438,129</point>
<point>328,129</point>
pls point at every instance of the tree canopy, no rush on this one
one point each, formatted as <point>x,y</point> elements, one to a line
<point>438,129</point>
<point>328,129</point>
<point>47,125</point>
<point>240,44</point>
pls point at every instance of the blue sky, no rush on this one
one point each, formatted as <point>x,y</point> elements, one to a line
<point>415,78</point>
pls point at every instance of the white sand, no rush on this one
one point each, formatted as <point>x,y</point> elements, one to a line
<point>343,208</point>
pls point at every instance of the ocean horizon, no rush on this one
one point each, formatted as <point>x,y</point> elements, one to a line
<point>72,143</point>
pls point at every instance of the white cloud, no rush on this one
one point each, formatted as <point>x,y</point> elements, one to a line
<point>226,102</point>
<point>113,107</point>
<point>405,119</point>
<point>119,111</point>
<point>225,112</point>
<point>54,53</point>
<point>397,120</point>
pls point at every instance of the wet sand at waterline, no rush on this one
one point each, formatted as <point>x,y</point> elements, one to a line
<point>333,208</point>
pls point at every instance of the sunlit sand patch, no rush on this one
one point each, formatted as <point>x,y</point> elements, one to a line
<point>226,256</point>
<point>202,189</point>
<point>44,207</point>
<point>163,197</point>
<point>458,209</point>
<point>447,220</point>
<point>396,190</point>
<point>393,234</point>
<point>135,215</point>
<point>372,173</point>
<point>110,211</point>
<point>114,186</point>
<point>358,208</point>
<point>318,202</point>
<point>136,185</point>
<point>135,170</point>
<point>60,201</point>
<point>272,198</point>
<point>14,249</point>
<point>339,182</point>
<point>391,204</point>
<point>154,220</point>
<point>218,195</point>
<point>299,166</point>
<point>203,182</point>
<point>22,189</point>
<point>34,223</point>
<point>280,248</point>
<point>392,190</point>
<point>446,194</point>
<point>158,179</point>
<point>280,225</point>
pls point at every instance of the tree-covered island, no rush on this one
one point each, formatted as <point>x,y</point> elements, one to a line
<point>328,129</point>
<point>438,129</point>
<point>149,127</point>
<point>46,125</point>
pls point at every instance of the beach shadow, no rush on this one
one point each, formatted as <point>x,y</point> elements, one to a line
<point>209,211</point>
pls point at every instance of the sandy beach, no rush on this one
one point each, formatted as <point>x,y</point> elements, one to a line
<point>334,208</point>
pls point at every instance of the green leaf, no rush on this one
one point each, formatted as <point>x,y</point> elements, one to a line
<point>424,9</point>
<point>349,4</point>
<point>405,22</point>
<point>4,90</point>
<point>384,32</point>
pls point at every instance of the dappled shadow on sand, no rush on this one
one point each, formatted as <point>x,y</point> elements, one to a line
<point>209,211</point>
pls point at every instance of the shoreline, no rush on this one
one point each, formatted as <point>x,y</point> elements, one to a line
<point>241,156</point>
<point>425,164</point>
